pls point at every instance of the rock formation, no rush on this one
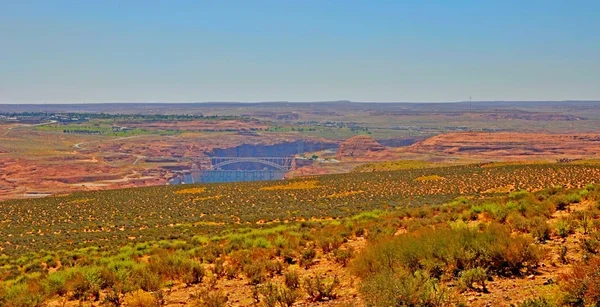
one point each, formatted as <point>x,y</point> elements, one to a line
<point>359,147</point>
<point>512,145</point>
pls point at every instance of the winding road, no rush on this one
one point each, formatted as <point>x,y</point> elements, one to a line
<point>9,129</point>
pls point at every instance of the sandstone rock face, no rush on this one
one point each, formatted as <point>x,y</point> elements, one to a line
<point>358,147</point>
<point>512,145</point>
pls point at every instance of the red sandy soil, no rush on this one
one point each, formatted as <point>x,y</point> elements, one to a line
<point>26,178</point>
<point>512,146</point>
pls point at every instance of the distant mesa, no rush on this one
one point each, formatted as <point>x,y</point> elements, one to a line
<point>359,147</point>
<point>512,145</point>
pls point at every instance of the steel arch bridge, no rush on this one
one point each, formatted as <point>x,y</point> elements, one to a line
<point>280,163</point>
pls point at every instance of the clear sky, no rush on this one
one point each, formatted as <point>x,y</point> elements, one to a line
<point>305,50</point>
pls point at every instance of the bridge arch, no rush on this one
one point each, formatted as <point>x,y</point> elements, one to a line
<point>283,164</point>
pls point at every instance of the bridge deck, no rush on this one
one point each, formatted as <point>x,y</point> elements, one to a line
<point>281,163</point>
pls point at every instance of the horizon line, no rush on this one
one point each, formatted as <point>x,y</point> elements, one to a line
<point>295,102</point>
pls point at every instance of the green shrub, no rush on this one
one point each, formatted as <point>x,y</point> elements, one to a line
<point>194,274</point>
<point>255,272</point>
<point>537,302</point>
<point>473,276</point>
<point>590,245</point>
<point>277,295</point>
<point>573,198</point>
<point>517,222</point>
<point>146,279</point>
<point>518,195</point>
<point>25,294</point>
<point>562,254</point>
<point>292,279</point>
<point>582,284</point>
<point>308,255</point>
<point>51,261</point>
<point>261,242</point>
<point>56,283</point>
<point>209,298</point>
<point>33,267</point>
<point>561,202</point>
<point>280,242</point>
<point>219,268</point>
<point>404,289</point>
<point>274,267</point>
<point>319,287</point>
<point>270,294</point>
<point>359,232</point>
<point>170,265</point>
<point>564,227</point>
<point>85,284</point>
<point>451,251</point>
<point>539,229</point>
<point>287,297</point>
<point>496,211</point>
<point>140,298</point>
<point>342,256</point>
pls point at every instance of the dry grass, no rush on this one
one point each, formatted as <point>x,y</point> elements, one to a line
<point>296,185</point>
<point>191,191</point>
<point>430,178</point>
<point>345,194</point>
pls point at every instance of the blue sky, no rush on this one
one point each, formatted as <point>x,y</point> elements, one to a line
<point>183,51</point>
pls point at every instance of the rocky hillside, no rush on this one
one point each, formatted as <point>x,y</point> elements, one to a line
<point>360,147</point>
<point>516,145</point>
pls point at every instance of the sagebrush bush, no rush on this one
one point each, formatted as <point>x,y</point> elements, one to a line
<point>537,302</point>
<point>451,250</point>
<point>146,279</point>
<point>194,273</point>
<point>517,222</point>
<point>582,284</point>
<point>85,285</point>
<point>278,295</point>
<point>562,254</point>
<point>564,227</point>
<point>405,289</point>
<point>319,287</point>
<point>207,298</point>
<point>219,268</point>
<point>170,265</point>
<point>140,298</point>
<point>292,279</point>
<point>473,276</point>
<point>255,272</point>
<point>539,229</point>
<point>561,202</point>
<point>343,255</point>
<point>56,283</point>
<point>24,294</point>
<point>308,255</point>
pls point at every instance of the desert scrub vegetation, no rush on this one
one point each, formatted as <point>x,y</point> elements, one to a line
<point>405,289</point>
<point>445,254</point>
<point>117,217</point>
<point>420,237</point>
<point>395,165</point>
<point>413,268</point>
<point>582,284</point>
